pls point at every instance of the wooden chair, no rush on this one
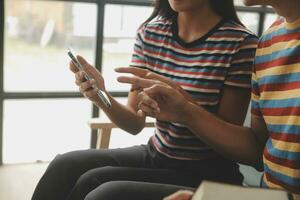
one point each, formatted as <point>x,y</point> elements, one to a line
<point>104,128</point>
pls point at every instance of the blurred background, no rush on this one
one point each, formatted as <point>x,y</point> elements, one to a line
<point>41,111</point>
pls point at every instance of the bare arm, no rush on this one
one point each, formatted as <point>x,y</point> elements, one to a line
<point>234,104</point>
<point>124,116</point>
<point>224,131</point>
<point>228,137</point>
<point>239,143</point>
<point>233,138</point>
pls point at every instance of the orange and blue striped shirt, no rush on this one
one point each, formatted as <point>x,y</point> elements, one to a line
<point>223,57</point>
<point>276,98</point>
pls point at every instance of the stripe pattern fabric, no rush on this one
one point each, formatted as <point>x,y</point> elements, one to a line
<point>222,57</point>
<point>276,98</point>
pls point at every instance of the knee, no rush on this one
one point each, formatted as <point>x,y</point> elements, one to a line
<point>108,191</point>
<point>90,179</point>
<point>63,163</point>
<point>99,178</point>
<point>95,177</point>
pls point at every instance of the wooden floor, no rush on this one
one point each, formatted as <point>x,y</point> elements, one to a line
<point>17,182</point>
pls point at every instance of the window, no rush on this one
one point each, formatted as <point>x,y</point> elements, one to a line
<point>36,37</point>
<point>39,129</point>
<point>120,25</point>
<point>256,18</point>
<point>250,20</point>
<point>37,34</point>
<point>270,19</point>
<point>42,108</point>
<point>120,138</point>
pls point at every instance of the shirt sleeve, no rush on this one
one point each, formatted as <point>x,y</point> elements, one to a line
<point>138,58</point>
<point>240,70</point>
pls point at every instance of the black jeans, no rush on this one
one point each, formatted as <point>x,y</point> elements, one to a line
<point>129,190</point>
<point>72,176</point>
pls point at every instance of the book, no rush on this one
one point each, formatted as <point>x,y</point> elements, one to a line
<point>220,191</point>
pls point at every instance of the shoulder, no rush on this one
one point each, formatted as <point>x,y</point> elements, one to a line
<point>273,29</point>
<point>159,23</point>
<point>239,32</point>
<point>275,26</point>
<point>156,26</point>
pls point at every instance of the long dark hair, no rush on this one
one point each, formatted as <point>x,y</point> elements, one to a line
<point>223,8</point>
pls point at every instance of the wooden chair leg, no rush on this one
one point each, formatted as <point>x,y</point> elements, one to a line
<point>103,138</point>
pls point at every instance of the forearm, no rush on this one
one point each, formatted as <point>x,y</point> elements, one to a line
<point>123,116</point>
<point>232,141</point>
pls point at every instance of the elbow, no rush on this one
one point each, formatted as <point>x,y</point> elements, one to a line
<point>259,166</point>
<point>254,161</point>
<point>134,127</point>
<point>134,130</point>
<point>256,165</point>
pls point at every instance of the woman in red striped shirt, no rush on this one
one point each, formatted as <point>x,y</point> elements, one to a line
<point>202,50</point>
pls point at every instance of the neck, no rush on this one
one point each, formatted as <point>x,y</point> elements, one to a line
<point>288,9</point>
<point>194,24</point>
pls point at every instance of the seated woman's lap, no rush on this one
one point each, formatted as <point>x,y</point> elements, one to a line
<point>64,171</point>
<point>77,173</point>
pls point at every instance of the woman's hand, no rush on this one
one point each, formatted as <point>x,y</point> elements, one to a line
<point>158,96</point>
<point>163,102</point>
<point>180,195</point>
<point>146,74</point>
<point>158,100</point>
<point>88,88</point>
